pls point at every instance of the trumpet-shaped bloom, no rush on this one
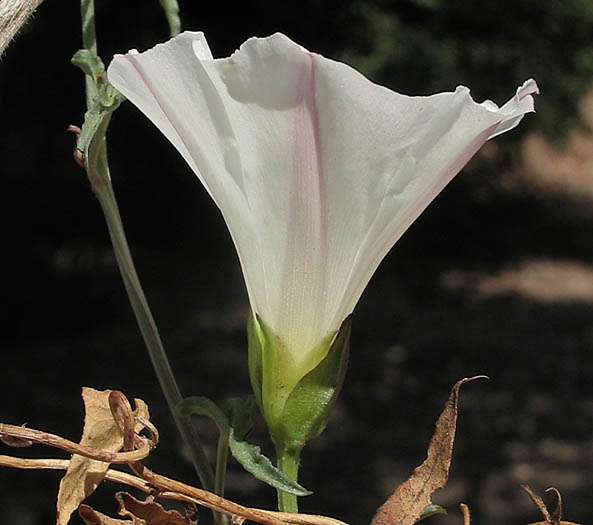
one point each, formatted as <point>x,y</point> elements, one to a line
<point>317,171</point>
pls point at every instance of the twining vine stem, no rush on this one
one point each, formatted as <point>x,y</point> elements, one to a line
<point>98,173</point>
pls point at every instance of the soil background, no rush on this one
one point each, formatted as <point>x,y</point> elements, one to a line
<point>495,278</point>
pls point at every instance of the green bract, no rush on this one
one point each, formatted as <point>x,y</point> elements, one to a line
<point>294,402</point>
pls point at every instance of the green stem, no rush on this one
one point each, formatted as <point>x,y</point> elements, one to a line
<point>157,353</point>
<point>171,8</point>
<point>288,462</point>
<point>104,192</point>
<point>89,41</point>
<point>222,454</point>
<point>151,336</point>
<point>98,173</point>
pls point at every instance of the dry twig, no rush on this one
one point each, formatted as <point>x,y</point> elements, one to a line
<point>144,480</point>
<point>169,489</point>
<point>52,440</point>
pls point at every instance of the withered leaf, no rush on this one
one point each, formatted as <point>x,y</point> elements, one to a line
<point>92,517</point>
<point>100,432</point>
<point>554,519</point>
<point>149,512</point>
<point>406,504</point>
<point>539,503</point>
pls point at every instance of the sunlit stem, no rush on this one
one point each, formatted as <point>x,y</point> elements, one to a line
<point>98,173</point>
<point>288,462</point>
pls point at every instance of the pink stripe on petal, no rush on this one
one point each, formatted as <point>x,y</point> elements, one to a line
<point>307,229</point>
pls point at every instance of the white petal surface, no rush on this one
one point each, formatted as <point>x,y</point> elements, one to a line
<point>317,171</point>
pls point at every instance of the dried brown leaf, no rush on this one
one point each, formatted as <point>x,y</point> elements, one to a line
<point>149,512</point>
<point>406,504</point>
<point>539,503</point>
<point>92,517</point>
<point>554,519</point>
<point>101,432</point>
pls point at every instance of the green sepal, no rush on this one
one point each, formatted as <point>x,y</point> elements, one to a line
<point>274,372</point>
<point>254,358</point>
<point>308,406</point>
<point>431,510</point>
<point>271,370</point>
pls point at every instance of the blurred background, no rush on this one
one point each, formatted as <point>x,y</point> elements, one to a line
<point>495,278</point>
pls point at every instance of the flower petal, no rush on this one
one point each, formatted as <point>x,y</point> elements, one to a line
<point>385,157</point>
<point>317,170</point>
<point>247,126</point>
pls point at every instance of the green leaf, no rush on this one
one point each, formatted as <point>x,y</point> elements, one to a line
<point>90,63</point>
<point>234,429</point>
<point>254,462</point>
<point>250,456</point>
<point>431,510</point>
<point>106,102</point>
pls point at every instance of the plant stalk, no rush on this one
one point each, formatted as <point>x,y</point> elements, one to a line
<point>101,184</point>
<point>98,173</point>
<point>288,462</point>
<point>222,453</point>
<point>171,9</point>
<point>89,41</point>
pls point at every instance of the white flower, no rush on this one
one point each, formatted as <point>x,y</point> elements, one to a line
<point>317,171</point>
